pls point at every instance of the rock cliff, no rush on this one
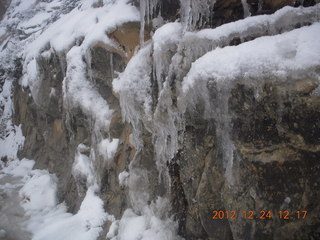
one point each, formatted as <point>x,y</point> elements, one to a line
<point>182,108</point>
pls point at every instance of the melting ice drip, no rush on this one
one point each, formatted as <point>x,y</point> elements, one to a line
<point>147,10</point>
<point>246,9</point>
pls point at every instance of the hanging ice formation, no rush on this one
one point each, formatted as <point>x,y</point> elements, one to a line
<point>246,10</point>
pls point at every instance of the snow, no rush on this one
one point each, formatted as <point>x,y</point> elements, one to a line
<point>32,70</point>
<point>83,27</point>
<point>74,33</point>
<point>22,5</point>
<point>108,148</point>
<point>283,57</point>
<point>57,224</point>
<point>149,225</point>
<point>55,4</point>
<point>196,44</point>
<point>46,218</point>
<point>35,21</point>
<point>11,137</point>
<point>135,80</point>
<point>264,57</point>
<point>168,33</point>
<point>123,178</point>
<point>39,192</point>
<point>134,88</point>
<point>88,23</point>
<point>13,141</point>
<point>285,18</point>
<point>113,230</point>
<point>82,166</point>
<point>165,39</point>
<point>79,92</point>
<point>18,168</point>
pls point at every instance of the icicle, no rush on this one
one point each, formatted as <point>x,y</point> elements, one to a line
<point>223,121</point>
<point>147,10</point>
<point>260,5</point>
<point>195,13</point>
<point>246,10</point>
<point>111,65</point>
<point>142,20</point>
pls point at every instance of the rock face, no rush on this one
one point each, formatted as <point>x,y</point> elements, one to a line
<point>275,140</point>
<point>45,126</point>
<point>275,166</point>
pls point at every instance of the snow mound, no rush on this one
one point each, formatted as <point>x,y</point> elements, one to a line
<point>196,44</point>
<point>149,225</point>
<point>58,224</point>
<point>39,192</point>
<point>277,56</point>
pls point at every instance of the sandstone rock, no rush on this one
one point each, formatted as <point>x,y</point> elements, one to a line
<point>277,144</point>
<point>127,36</point>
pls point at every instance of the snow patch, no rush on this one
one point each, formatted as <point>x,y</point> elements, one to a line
<point>123,178</point>
<point>79,92</point>
<point>82,166</point>
<point>39,192</point>
<point>108,148</point>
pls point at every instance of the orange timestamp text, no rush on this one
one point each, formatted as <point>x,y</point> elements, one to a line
<point>263,215</point>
